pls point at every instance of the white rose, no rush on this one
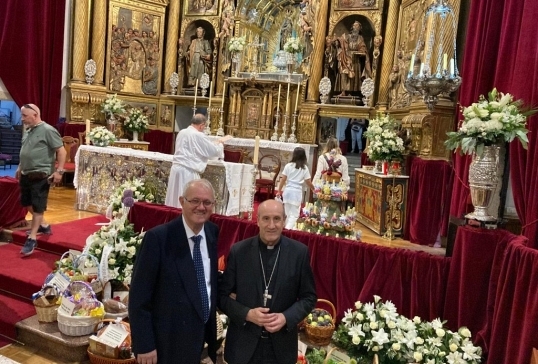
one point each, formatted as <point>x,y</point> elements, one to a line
<point>396,346</point>
<point>440,332</point>
<point>111,261</point>
<point>391,325</point>
<point>375,348</point>
<point>356,340</point>
<point>465,332</point>
<point>453,347</point>
<point>374,325</point>
<point>417,356</point>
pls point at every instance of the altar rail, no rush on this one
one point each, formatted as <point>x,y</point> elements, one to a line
<point>492,279</point>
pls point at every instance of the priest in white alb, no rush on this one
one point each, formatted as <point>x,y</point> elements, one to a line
<point>193,150</point>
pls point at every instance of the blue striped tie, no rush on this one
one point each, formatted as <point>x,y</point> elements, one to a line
<point>199,268</point>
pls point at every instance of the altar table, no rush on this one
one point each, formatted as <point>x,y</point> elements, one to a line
<point>11,210</point>
<point>100,170</point>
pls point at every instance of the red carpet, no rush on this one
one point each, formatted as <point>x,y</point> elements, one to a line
<point>12,310</point>
<point>65,236</point>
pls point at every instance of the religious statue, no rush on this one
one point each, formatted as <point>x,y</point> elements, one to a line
<point>285,32</point>
<point>357,51</point>
<point>398,96</point>
<point>345,73</point>
<point>227,19</point>
<point>198,57</point>
<point>149,78</point>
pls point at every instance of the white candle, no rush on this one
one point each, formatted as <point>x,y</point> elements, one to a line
<point>195,92</point>
<point>256,150</point>
<point>421,68</point>
<point>445,59</point>
<point>288,99</point>
<point>412,63</point>
<point>451,66</point>
<point>278,99</point>
<point>297,98</point>
<point>223,94</point>
<point>210,94</point>
<point>263,106</point>
<point>87,142</point>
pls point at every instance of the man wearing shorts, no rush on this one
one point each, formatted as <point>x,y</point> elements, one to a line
<point>41,147</point>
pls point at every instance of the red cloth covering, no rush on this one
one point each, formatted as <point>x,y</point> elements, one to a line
<point>72,130</point>
<point>11,211</point>
<point>160,141</point>
<point>428,200</point>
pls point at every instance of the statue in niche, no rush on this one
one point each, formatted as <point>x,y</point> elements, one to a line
<point>398,95</point>
<point>307,19</point>
<point>344,66</point>
<point>198,57</point>
<point>357,51</point>
<point>149,78</point>
<point>285,30</point>
<point>166,116</point>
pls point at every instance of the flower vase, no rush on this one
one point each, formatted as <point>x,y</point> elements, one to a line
<point>135,136</point>
<point>378,167</point>
<point>483,182</point>
<point>235,64</point>
<point>111,122</point>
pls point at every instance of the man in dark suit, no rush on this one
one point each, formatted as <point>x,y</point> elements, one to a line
<point>173,295</point>
<point>266,290</point>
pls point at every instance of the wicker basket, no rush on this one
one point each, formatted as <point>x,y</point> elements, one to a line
<point>47,314</point>
<point>97,359</point>
<point>321,335</point>
<point>77,325</point>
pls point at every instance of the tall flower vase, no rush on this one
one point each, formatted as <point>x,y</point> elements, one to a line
<point>483,182</point>
<point>135,136</point>
<point>236,59</point>
<point>111,122</point>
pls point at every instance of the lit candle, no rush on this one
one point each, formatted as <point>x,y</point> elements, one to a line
<point>195,92</point>
<point>223,94</point>
<point>256,150</point>
<point>452,66</point>
<point>412,63</point>
<point>278,99</point>
<point>288,99</point>
<point>445,59</point>
<point>297,98</point>
<point>87,132</point>
<point>210,92</point>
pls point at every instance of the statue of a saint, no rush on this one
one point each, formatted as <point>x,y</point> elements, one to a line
<point>358,52</point>
<point>198,57</point>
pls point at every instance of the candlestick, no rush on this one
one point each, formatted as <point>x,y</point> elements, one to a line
<point>195,92</point>
<point>278,99</point>
<point>297,98</point>
<point>421,68</point>
<point>263,106</point>
<point>451,66</point>
<point>288,98</point>
<point>87,132</point>
<point>223,94</point>
<point>256,150</point>
<point>210,95</point>
<point>445,59</point>
<point>412,63</point>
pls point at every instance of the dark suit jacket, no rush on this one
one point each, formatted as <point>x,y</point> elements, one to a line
<point>165,307</point>
<point>294,295</point>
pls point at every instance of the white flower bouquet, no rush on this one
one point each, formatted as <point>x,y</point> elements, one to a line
<point>377,328</point>
<point>237,44</point>
<point>383,140</point>
<point>101,136</point>
<point>490,121</point>
<point>293,45</point>
<point>136,121</point>
<point>127,194</point>
<point>112,105</point>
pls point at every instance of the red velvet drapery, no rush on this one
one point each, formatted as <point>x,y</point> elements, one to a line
<point>501,51</point>
<point>31,53</point>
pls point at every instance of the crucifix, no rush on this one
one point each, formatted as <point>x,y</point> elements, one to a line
<point>266,296</point>
<point>254,55</point>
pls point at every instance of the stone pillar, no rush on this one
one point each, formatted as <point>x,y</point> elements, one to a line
<point>316,57</point>
<point>388,53</point>
<point>99,31</point>
<point>172,36</point>
<point>80,40</point>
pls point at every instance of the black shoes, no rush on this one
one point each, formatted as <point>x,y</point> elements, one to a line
<point>28,247</point>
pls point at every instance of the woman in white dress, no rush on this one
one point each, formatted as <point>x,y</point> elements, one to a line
<point>294,176</point>
<point>331,162</point>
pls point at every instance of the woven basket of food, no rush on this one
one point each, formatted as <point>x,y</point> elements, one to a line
<point>121,354</point>
<point>46,303</point>
<point>320,324</point>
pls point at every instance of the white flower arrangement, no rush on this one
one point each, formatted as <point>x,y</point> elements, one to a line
<point>112,105</point>
<point>136,121</point>
<point>127,194</point>
<point>293,45</point>
<point>383,140</point>
<point>488,122</point>
<point>237,44</point>
<point>101,136</point>
<point>377,328</point>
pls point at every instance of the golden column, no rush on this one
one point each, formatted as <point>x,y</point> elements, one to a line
<point>388,53</point>
<point>80,40</point>
<point>99,39</point>
<point>172,36</point>
<point>316,56</point>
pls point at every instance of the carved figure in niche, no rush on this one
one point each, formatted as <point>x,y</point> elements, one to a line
<point>330,59</point>
<point>394,84</point>
<point>285,30</point>
<point>198,57</point>
<point>358,52</point>
<point>166,116</point>
<point>345,67</point>
<point>399,97</point>
<point>252,115</point>
<point>227,19</point>
<point>149,78</point>
<point>200,5</point>
<point>136,60</point>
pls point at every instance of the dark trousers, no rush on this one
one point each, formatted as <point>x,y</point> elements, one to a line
<point>264,353</point>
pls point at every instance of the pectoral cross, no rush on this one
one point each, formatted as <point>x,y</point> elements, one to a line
<point>266,296</point>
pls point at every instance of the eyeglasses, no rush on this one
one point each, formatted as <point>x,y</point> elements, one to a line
<point>27,106</point>
<point>197,202</point>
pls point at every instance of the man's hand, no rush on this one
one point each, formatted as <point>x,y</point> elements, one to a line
<point>147,358</point>
<point>18,173</point>
<point>276,322</point>
<point>258,316</point>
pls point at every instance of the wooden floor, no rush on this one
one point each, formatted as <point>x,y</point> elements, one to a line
<point>61,208</point>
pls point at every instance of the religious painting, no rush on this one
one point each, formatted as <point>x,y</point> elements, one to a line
<point>355,4</point>
<point>166,117</point>
<point>148,109</point>
<point>411,26</point>
<point>253,114</point>
<point>327,129</point>
<point>135,40</point>
<point>202,7</point>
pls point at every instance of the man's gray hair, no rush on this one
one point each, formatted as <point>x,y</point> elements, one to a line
<point>203,182</point>
<point>198,119</point>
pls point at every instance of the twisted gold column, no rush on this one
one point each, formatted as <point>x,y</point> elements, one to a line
<point>172,36</point>
<point>80,40</point>
<point>388,53</point>
<point>317,53</point>
<point>99,28</point>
